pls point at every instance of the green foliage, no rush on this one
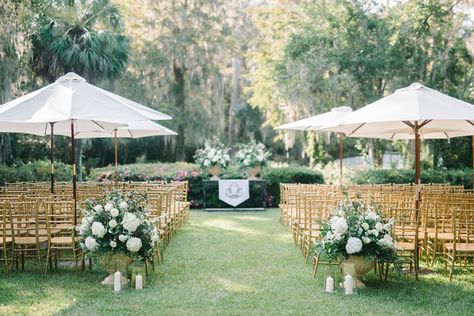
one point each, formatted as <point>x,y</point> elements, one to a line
<point>453,177</point>
<point>39,170</point>
<point>275,176</point>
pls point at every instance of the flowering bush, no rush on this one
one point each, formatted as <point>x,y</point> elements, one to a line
<point>252,155</point>
<point>214,153</point>
<point>117,223</point>
<point>357,229</point>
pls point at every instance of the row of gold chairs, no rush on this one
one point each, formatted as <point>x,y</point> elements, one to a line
<point>442,221</point>
<point>35,224</point>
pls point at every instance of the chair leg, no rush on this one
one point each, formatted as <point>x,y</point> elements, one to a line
<point>315,264</point>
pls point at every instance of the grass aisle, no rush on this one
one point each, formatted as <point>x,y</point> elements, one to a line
<point>232,263</point>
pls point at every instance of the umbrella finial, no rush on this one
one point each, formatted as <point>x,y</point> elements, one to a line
<point>71,76</point>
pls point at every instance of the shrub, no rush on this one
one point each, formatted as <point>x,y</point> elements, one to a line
<point>39,170</point>
<point>381,176</point>
<point>275,176</point>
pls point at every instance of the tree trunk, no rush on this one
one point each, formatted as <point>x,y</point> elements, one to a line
<point>180,98</point>
<point>234,98</point>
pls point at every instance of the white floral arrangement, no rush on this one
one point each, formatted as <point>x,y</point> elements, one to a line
<point>117,223</point>
<point>252,155</point>
<point>214,153</point>
<point>357,229</point>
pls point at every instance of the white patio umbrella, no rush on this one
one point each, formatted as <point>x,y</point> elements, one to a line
<point>318,121</point>
<point>68,104</point>
<point>133,130</point>
<point>410,113</point>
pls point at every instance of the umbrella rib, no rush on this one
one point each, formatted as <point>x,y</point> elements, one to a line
<point>446,135</point>
<point>358,127</point>
<point>130,132</point>
<point>409,123</point>
<point>470,122</point>
<point>424,123</point>
<point>98,124</point>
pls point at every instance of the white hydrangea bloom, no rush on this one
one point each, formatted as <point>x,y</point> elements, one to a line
<point>134,244</point>
<point>91,243</point>
<point>123,206</point>
<point>371,215</point>
<point>114,212</point>
<point>386,241</point>
<point>98,208</point>
<point>374,232</point>
<point>130,222</point>
<point>207,163</point>
<point>354,245</point>
<point>108,206</point>
<point>98,229</point>
<point>379,226</point>
<point>339,225</point>
<point>123,238</point>
<point>365,226</point>
<point>113,223</point>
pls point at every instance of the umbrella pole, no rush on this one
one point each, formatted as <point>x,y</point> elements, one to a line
<point>418,192</point>
<point>74,175</point>
<point>52,157</point>
<point>473,161</point>
<point>340,157</point>
<point>116,157</point>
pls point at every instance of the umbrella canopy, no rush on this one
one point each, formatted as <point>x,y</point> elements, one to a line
<point>410,113</point>
<point>71,104</point>
<point>410,110</point>
<point>72,98</point>
<point>133,130</point>
<point>318,121</point>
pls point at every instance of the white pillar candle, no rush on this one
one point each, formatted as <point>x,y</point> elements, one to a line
<point>329,284</point>
<point>349,284</point>
<point>117,281</point>
<point>138,282</point>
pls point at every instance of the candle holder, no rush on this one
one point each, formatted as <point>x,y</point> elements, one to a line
<point>349,279</point>
<point>329,281</point>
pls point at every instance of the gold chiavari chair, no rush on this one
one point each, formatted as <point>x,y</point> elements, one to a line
<point>461,249</point>
<point>27,240</point>
<point>404,230</point>
<point>6,240</point>
<point>61,234</point>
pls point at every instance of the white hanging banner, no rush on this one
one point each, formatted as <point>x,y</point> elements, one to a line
<point>233,192</point>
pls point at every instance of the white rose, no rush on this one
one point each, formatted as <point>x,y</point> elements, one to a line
<point>379,226</point>
<point>339,225</point>
<point>91,243</point>
<point>114,212</point>
<point>354,245</point>
<point>374,232</point>
<point>226,157</point>
<point>98,208</point>
<point>260,158</point>
<point>130,222</point>
<point>108,206</point>
<point>113,223</point>
<point>123,206</point>
<point>98,229</point>
<point>366,240</point>
<point>123,238</point>
<point>371,215</point>
<point>365,226</point>
<point>134,244</point>
<point>113,244</point>
<point>246,162</point>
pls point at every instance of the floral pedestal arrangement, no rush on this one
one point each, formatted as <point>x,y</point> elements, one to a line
<point>357,233</point>
<point>213,157</point>
<point>253,156</point>
<point>116,229</point>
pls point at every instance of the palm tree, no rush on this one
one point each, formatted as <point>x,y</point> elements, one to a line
<point>83,36</point>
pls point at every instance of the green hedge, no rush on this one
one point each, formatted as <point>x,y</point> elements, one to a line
<point>275,176</point>
<point>39,170</point>
<point>381,176</point>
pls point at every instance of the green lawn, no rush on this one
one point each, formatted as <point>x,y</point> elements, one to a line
<point>232,263</point>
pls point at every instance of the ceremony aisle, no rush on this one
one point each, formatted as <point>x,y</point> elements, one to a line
<point>232,263</point>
